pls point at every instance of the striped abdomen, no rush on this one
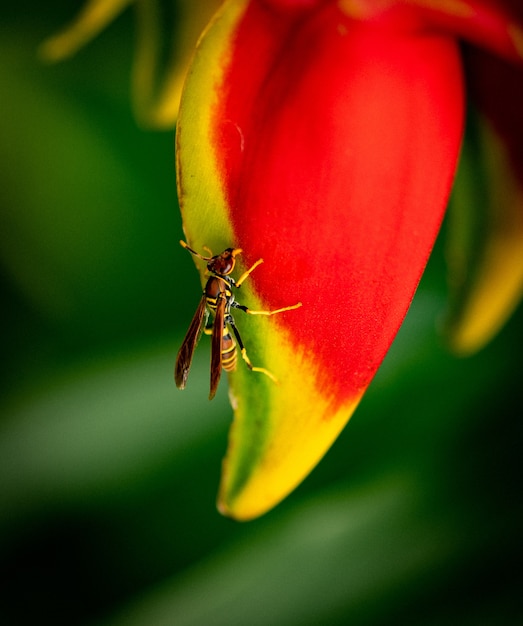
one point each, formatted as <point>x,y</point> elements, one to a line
<point>228,351</point>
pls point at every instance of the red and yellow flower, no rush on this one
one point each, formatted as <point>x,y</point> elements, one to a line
<point>324,136</point>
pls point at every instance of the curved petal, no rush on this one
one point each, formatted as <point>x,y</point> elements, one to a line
<point>486,261</point>
<point>155,90</point>
<point>92,19</point>
<point>327,147</point>
<point>495,25</point>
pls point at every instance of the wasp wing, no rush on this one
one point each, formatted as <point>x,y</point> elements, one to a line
<point>185,354</point>
<point>216,350</point>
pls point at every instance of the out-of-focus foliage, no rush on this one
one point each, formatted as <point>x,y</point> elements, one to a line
<point>108,474</point>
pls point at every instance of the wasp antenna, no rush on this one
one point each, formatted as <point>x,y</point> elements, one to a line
<point>200,256</point>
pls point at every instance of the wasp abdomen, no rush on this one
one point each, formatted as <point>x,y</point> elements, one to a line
<point>228,352</point>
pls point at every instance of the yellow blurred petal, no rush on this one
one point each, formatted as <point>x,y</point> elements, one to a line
<point>93,18</point>
<point>156,93</point>
<point>494,286</point>
<point>155,90</point>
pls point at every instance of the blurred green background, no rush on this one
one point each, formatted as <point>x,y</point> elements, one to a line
<point>108,473</point>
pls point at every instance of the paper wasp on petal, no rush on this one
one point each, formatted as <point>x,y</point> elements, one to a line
<point>218,300</point>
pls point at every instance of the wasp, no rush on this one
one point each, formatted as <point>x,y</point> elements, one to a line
<point>213,316</point>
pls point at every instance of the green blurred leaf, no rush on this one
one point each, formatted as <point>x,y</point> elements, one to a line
<point>357,553</point>
<point>85,435</point>
<point>88,222</point>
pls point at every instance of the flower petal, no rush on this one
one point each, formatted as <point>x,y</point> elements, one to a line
<point>327,147</point>
<point>92,19</point>
<point>491,24</point>
<point>486,260</point>
<point>155,91</point>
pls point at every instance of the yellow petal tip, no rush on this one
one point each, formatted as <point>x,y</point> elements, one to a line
<point>280,432</point>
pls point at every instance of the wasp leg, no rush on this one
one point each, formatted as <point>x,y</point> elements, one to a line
<point>243,352</point>
<point>251,312</point>
<point>246,274</point>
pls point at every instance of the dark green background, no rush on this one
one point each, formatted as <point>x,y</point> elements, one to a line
<point>108,473</point>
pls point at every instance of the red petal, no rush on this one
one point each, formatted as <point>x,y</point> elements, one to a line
<point>491,24</point>
<point>337,144</point>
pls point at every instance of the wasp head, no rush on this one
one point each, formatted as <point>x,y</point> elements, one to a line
<point>223,264</point>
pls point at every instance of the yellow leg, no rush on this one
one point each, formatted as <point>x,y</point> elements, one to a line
<point>246,274</point>
<point>262,370</point>
<point>285,308</point>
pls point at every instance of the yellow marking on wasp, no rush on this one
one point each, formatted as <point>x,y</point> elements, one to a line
<point>228,364</point>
